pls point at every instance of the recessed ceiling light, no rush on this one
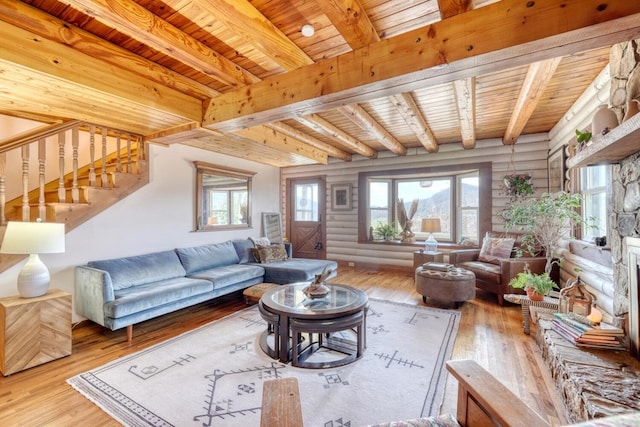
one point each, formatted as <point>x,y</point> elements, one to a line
<point>307,30</point>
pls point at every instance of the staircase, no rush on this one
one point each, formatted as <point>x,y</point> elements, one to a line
<point>41,167</point>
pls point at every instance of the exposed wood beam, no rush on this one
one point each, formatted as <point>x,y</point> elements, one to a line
<point>538,77</point>
<point>321,125</point>
<point>37,22</point>
<point>449,8</point>
<point>351,20</point>
<point>304,137</point>
<point>466,102</point>
<point>360,117</point>
<point>409,111</point>
<point>247,21</point>
<point>244,148</point>
<point>172,135</point>
<point>513,33</point>
<point>274,139</point>
<point>138,23</point>
<point>102,80</point>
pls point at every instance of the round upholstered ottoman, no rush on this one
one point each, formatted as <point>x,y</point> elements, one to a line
<point>454,285</point>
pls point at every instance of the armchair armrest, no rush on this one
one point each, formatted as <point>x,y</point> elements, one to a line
<point>485,401</point>
<point>510,268</point>
<point>463,255</point>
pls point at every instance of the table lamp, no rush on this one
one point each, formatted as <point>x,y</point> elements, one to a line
<point>430,225</point>
<point>33,238</point>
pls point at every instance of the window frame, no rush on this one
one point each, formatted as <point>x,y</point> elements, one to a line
<point>201,211</point>
<point>485,208</point>
<point>604,189</point>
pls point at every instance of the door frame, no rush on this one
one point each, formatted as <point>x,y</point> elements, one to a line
<point>322,208</point>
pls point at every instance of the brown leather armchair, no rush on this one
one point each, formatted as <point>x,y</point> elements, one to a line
<point>495,277</point>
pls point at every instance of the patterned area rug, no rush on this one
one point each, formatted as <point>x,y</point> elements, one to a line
<point>213,376</point>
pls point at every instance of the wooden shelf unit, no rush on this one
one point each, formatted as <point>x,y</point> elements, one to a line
<point>621,142</point>
<point>34,331</point>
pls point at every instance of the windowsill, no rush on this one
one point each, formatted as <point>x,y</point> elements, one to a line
<point>442,246</point>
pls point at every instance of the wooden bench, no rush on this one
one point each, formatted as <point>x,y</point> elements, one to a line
<point>281,405</point>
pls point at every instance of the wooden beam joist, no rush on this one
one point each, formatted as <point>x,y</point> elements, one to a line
<point>465,91</point>
<point>314,142</point>
<point>274,139</point>
<point>351,20</point>
<point>360,117</point>
<point>321,125</point>
<point>131,19</point>
<point>244,19</point>
<point>411,114</point>
<point>538,77</point>
<point>37,22</point>
<point>449,8</point>
<point>512,33</point>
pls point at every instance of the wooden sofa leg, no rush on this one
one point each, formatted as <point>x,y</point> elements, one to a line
<point>129,333</point>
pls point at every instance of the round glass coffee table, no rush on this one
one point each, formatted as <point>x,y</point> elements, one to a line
<point>300,326</point>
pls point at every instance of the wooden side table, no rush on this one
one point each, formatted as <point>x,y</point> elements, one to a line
<point>420,257</point>
<point>34,331</point>
<point>548,303</point>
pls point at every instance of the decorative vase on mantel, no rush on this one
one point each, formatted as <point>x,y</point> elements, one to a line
<point>604,121</point>
<point>633,108</point>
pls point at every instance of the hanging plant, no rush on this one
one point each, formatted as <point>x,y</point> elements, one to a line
<point>518,185</point>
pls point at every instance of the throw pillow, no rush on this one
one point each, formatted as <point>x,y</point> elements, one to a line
<point>260,241</point>
<point>271,253</point>
<point>494,249</point>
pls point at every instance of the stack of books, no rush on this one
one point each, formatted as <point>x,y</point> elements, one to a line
<point>601,336</point>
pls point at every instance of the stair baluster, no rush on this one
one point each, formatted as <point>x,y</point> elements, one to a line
<point>75,142</point>
<point>103,176</point>
<point>129,154</point>
<point>25,183</point>
<point>3,187</point>
<point>61,192</point>
<point>118,159</point>
<point>42,157</point>
<point>92,155</point>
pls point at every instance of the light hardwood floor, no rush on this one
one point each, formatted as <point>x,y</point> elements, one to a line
<point>490,334</point>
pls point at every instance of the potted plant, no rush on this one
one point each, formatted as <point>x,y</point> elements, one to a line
<point>536,285</point>
<point>518,185</point>
<point>547,219</point>
<point>385,231</point>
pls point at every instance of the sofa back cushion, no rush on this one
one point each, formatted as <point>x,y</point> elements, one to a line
<point>244,250</point>
<point>204,257</point>
<point>141,269</point>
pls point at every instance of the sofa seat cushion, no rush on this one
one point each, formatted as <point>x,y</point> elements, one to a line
<point>229,275</point>
<point>483,270</point>
<point>141,269</point>
<point>139,298</point>
<point>296,270</point>
<point>199,258</point>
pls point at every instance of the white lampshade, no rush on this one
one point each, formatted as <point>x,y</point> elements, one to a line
<point>33,238</point>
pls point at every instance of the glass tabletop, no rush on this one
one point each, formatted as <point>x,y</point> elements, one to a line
<point>291,299</point>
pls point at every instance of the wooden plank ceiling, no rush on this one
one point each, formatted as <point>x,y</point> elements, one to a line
<point>238,77</point>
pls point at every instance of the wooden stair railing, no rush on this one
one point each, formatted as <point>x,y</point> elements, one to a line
<point>66,192</point>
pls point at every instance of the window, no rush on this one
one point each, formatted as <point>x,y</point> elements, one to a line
<point>223,197</point>
<point>306,202</point>
<point>594,183</point>
<point>452,194</point>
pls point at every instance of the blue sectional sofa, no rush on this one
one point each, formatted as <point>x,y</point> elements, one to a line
<point>120,292</point>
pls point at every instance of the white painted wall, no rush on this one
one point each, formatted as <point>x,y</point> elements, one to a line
<point>159,216</point>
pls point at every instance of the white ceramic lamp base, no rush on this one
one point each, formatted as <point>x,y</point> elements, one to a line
<point>33,280</point>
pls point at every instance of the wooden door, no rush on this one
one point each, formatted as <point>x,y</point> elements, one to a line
<point>305,217</point>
